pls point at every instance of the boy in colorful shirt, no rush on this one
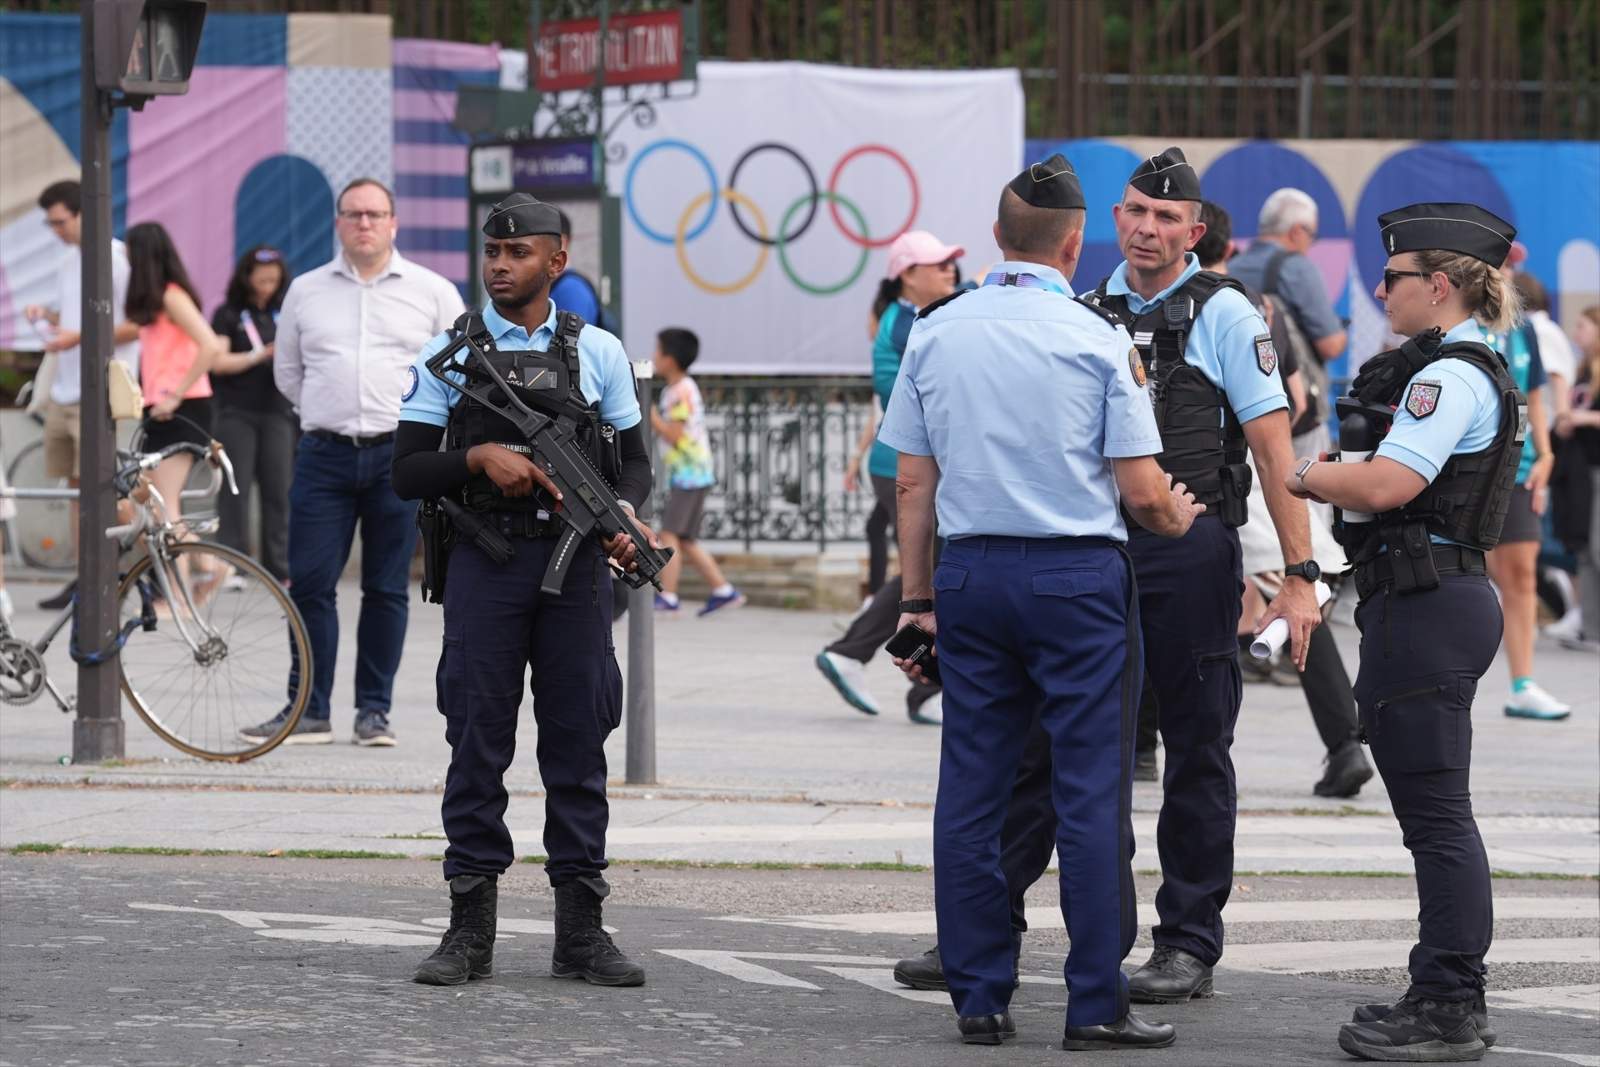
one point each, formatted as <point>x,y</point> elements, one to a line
<point>681,423</point>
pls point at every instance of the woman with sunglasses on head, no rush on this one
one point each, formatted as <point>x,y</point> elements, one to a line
<point>1416,517</point>
<point>255,422</point>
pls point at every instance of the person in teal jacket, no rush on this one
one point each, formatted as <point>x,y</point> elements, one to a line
<point>922,270</point>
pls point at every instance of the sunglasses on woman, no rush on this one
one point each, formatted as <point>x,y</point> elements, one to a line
<point>1392,276</point>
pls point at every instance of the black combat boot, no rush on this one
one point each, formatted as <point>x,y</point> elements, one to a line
<point>583,948</point>
<point>467,950</point>
<point>1371,1013</point>
<point>1417,1031</point>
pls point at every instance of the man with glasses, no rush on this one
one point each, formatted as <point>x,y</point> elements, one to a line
<point>59,328</point>
<point>347,335</point>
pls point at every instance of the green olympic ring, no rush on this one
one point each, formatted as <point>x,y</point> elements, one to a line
<point>783,256</point>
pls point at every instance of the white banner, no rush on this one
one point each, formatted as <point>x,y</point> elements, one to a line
<point>758,213</point>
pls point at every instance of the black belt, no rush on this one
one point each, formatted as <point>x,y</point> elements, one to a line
<point>525,524</point>
<point>354,442</point>
<point>1447,559</point>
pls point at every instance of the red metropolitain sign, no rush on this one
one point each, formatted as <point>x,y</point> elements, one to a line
<point>641,47</point>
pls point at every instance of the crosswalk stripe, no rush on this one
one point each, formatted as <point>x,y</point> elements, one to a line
<point>1305,957</point>
<point>1564,999</point>
<point>1237,911</point>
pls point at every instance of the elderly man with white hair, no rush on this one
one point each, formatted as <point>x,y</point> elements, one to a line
<point>1276,263</point>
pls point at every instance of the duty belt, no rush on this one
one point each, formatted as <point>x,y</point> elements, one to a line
<point>525,523</point>
<point>372,441</point>
<point>1447,559</point>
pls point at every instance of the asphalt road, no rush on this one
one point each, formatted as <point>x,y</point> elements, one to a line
<point>134,959</point>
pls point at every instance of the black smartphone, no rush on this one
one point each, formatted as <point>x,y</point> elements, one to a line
<point>915,644</point>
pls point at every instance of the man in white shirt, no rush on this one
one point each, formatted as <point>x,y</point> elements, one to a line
<point>61,327</point>
<point>347,336</point>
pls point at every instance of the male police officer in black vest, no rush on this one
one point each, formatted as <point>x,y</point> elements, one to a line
<point>497,622</point>
<point>1214,381</point>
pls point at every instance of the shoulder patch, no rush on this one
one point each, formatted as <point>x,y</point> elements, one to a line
<point>1266,355</point>
<point>411,384</point>
<point>1422,399</point>
<point>937,304</point>
<point>1136,366</point>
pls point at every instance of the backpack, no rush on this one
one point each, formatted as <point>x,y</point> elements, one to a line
<point>1313,371</point>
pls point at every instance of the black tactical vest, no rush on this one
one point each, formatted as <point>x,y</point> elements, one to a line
<point>541,380</point>
<point>1467,502</point>
<point>1200,437</point>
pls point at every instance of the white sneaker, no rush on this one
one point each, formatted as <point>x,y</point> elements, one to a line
<point>6,609</point>
<point>234,583</point>
<point>1567,628</point>
<point>849,678</point>
<point>1534,703</point>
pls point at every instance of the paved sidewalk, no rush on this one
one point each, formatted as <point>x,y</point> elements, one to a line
<point>759,760</point>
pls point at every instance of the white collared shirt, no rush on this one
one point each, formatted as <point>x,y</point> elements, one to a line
<point>66,385</point>
<point>345,346</point>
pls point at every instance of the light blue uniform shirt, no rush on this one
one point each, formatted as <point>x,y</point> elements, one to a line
<point>604,373</point>
<point>1022,396</point>
<point>1465,415</point>
<point>1222,343</point>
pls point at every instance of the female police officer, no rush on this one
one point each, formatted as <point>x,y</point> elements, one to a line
<point>497,622</point>
<point>1415,521</point>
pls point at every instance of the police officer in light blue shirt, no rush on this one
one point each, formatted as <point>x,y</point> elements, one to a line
<point>1022,416</point>
<point>501,631</point>
<point>1415,520</point>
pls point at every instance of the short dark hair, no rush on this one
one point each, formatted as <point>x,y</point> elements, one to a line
<point>356,183</point>
<point>67,193</point>
<point>680,345</point>
<point>1532,291</point>
<point>1039,231</point>
<point>1213,244</point>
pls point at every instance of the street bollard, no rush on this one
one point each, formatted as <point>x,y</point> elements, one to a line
<point>640,701</point>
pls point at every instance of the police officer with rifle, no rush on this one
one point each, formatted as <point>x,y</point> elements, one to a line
<point>1431,436</point>
<point>528,507</point>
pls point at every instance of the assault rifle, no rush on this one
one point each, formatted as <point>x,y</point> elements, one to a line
<point>587,504</point>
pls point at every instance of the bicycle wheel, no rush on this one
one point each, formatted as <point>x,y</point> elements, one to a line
<point>43,528</point>
<point>229,650</point>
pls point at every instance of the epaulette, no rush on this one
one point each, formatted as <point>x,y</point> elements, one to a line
<point>1111,319</point>
<point>937,304</point>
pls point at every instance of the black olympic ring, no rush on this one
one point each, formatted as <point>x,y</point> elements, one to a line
<point>811,210</point>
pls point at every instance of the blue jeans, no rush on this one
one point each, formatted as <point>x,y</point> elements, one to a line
<point>336,485</point>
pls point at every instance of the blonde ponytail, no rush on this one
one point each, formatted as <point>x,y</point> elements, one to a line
<point>1493,301</point>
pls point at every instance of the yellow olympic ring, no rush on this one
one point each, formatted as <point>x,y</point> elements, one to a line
<point>679,243</point>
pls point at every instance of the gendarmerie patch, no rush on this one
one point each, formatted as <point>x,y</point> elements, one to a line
<point>411,384</point>
<point>1266,354</point>
<point>1136,367</point>
<point>1422,399</point>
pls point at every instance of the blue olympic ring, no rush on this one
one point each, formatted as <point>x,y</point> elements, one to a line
<point>711,178</point>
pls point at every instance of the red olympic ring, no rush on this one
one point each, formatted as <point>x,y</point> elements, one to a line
<point>833,189</point>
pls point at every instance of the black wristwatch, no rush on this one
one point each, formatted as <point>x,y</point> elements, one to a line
<point>1307,570</point>
<point>916,607</point>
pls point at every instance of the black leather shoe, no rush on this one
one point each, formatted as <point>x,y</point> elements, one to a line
<point>1128,1032</point>
<point>1144,766</point>
<point>1416,1031</point>
<point>927,970</point>
<point>62,597</point>
<point>1171,976</point>
<point>918,695</point>
<point>1348,770</point>
<point>1371,1013</point>
<point>987,1029</point>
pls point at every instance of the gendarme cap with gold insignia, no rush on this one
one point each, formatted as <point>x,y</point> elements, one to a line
<point>1464,228</point>
<point>520,215</point>
<point>1051,184</point>
<point>1167,177</point>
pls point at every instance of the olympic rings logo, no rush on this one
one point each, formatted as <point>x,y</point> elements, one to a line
<point>795,221</point>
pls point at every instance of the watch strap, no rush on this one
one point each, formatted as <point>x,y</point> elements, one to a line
<point>916,607</point>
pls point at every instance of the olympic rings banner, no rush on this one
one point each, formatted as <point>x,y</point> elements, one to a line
<point>759,212</point>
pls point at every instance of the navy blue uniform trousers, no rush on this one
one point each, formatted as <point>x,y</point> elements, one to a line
<point>1036,632</point>
<point>497,624</point>
<point>1421,657</point>
<point>1189,605</point>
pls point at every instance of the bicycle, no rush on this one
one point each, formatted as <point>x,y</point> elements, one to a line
<point>215,620</point>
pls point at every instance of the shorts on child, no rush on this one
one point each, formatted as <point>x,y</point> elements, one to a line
<point>685,508</point>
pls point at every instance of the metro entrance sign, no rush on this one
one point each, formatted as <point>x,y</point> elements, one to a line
<point>640,47</point>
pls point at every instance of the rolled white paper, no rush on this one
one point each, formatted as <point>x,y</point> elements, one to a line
<point>1277,632</point>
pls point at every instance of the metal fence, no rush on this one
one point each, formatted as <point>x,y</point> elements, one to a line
<point>780,447</point>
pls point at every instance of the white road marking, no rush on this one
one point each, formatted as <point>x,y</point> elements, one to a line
<point>883,982</point>
<point>1561,999</point>
<point>1579,1058</point>
<point>351,929</point>
<point>1237,911</point>
<point>737,964</point>
<point>1305,957</point>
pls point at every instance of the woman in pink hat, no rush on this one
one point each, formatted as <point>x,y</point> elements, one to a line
<point>922,269</point>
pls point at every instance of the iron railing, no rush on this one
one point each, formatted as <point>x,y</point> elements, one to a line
<point>780,447</point>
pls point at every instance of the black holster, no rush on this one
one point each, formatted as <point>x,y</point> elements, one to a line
<point>438,537</point>
<point>1234,507</point>
<point>1411,555</point>
<point>472,526</point>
